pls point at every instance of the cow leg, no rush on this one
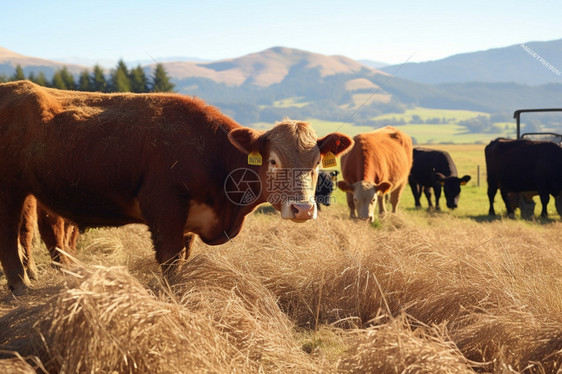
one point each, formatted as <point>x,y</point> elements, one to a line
<point>545,198</point>
<point>10,218</point>
<point>166,219</point>
<point>382,206</point>
<point>53,232</point>
<point>507,202</point>
<point>437,190</point>
<point>71,237</point>
<point>26,232</point>
<point>427,193</point>
<point>350,204</point>
<point>395,198</point>
<point>492,190</point>
<point>188,243</point>
<point>416,191</point>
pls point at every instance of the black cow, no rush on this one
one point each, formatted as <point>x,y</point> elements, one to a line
<point>533,167</point>
<point>324,187</point>
<point>435,169</point>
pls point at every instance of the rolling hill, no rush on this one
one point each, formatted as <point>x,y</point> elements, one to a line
<point>283,82</point>
<point>266,68</point>
<point>10,59</point>
<point>517,63</point>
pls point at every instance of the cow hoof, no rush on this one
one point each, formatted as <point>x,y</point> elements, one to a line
<point>19,289</point>
<point>32,274</point>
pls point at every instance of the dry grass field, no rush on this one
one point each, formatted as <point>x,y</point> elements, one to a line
<point>417,293</point>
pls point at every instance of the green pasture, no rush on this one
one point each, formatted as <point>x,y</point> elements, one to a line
<point>451,115</point>
<point>447,132</point>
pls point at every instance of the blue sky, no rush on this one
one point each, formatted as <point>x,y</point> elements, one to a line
<point>388,31</point>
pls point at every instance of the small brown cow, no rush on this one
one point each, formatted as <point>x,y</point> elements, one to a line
<point>379,162</point>
<point>56,232</point>
<point>167,160</point>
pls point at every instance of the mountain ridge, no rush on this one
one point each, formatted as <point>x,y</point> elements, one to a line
<point>518,63</point>
<point>277,82</point>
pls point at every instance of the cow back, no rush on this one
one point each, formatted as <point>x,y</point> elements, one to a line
<point>381,155</point>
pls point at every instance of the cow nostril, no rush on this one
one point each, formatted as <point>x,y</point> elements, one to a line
<point>294,209</point>
<point>302,211</point>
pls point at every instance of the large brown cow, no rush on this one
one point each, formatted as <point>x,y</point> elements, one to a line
<point>379,162</point>
<point>166,160</point>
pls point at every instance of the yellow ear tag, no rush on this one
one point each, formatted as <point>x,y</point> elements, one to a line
<point>254,158</point>
<point>329,160</point>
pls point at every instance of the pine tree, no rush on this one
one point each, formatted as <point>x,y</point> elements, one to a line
<point>120,78</point>
<point>98,80</point>
<point>58,81</point>
<point>68,79</point>
<point>41,79</point>
<point>18,75</point>
<point>84,83</point>
<point>138,80</point>
<point>160,80</point>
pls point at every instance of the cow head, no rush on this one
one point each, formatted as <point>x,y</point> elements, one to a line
<point>291,153</point>
<point>452,188</point>
<point>365,196</point>
<point>325,187</point>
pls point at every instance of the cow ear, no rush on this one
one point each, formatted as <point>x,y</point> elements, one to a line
<point>245,139</point>
<point>335,142</point>
<point>465,179</point>
<point>345,186</point>
<point>383,187</point>
<point>440,177</point>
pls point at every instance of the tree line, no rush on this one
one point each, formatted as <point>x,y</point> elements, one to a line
<point>121,79</point>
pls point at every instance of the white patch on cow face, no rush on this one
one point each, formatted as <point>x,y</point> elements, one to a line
<point>291,188</point>
<point>201,219</point>
<point>364,199</point>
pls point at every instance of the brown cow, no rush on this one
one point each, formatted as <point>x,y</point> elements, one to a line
<point>57,234</point>
<point>379,162</point>
<point>166,160</point>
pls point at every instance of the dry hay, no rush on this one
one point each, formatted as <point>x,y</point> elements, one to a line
<point>104,320</point>
<point>399,347</point>
<point>513,339</point>
<point>20,365</point>
<point>398,298</point>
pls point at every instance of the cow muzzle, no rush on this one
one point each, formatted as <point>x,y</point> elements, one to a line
<point>299,212</point>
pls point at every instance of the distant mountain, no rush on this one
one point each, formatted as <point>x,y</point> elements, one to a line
<point>520,63</point>
<point>266,68</point>
<point>278,82</point>
<point>373,64</point>
<point>9,60</point>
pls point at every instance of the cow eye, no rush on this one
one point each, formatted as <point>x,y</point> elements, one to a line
<point>272,162</point>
